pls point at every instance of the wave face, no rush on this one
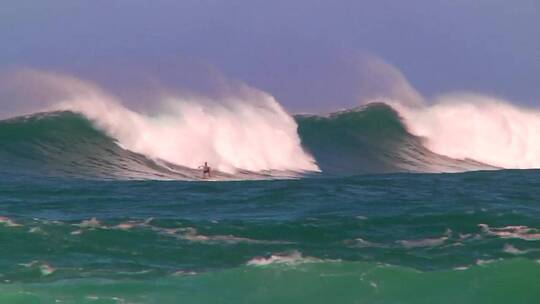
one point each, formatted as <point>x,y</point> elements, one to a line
<point>368,140</point>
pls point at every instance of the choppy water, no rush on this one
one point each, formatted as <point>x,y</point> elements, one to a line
<point>389,238</point>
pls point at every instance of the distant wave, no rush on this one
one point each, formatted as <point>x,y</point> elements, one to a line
<point>472,126</point>
<point>372,139</point>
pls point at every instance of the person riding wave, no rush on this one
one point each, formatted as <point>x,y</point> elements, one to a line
<point>206,170</point>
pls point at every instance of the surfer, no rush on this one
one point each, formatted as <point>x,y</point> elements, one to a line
<point>206,170</point>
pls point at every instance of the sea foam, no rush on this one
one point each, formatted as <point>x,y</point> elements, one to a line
<point>482,128</point>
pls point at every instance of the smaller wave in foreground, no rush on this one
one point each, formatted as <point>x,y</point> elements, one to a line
<point>512,281</point>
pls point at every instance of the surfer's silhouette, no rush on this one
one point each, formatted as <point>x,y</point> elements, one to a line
<point>206,170</point>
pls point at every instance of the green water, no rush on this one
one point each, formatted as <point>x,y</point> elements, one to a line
<point>399,238</point>
<point>83,220</point>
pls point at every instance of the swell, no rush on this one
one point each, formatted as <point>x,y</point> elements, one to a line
<point>511,281</point>
<point>67,144</point>
<point>372,139</point>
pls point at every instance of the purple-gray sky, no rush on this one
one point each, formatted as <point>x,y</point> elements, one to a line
<point>302,52</point>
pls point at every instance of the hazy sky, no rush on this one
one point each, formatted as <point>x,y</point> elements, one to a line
<point>302,52</point>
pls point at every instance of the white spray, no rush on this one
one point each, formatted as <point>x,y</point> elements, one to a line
<point>251,132</point>
<point>477,127</point>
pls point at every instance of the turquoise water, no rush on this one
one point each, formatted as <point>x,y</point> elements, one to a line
<point>85,221</point>
<point>392,238</point>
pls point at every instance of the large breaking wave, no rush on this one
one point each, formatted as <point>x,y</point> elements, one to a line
<point>246,135</point>
<point>88,133</point>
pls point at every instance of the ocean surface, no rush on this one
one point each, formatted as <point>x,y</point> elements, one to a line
<point>85,217</point>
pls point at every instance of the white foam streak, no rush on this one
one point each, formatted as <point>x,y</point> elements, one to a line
<point>512,232</point>
<point>191,234</point>
<point>513,250</point>
<point>290,258</point>
<point>8,222</point>
<point>423,242</point>
<point>44,268</point>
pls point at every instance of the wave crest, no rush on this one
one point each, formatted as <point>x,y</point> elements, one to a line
<point>470,126</point>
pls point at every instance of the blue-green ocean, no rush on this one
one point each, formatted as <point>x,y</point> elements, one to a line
<point>83,220</point>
